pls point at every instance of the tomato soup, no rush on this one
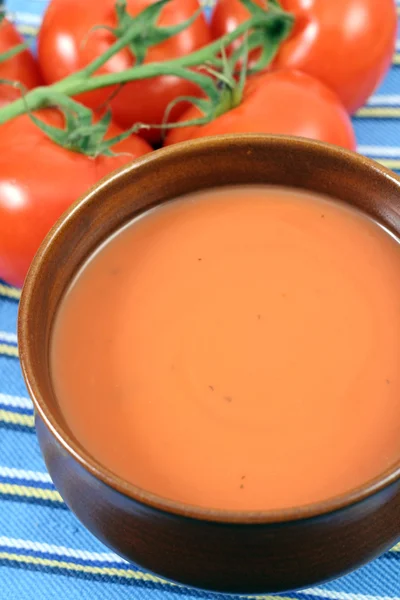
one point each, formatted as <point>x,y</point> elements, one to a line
<point>237,349</point>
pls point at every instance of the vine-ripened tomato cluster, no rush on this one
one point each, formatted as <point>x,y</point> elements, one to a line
<point>133,74</point>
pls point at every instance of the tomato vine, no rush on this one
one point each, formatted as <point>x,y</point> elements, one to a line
<point>264,29</point>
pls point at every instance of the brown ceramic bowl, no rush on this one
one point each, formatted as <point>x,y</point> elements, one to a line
<point>243,552</point>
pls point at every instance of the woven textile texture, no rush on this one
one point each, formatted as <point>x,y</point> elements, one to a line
<point>44,551</point>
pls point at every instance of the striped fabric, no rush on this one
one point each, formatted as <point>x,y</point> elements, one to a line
<point>44,552</point>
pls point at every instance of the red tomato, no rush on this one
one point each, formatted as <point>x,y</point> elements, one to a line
<point>347,44</point>
<point>227,15</point>
<point>62,50</point>
<point>22,67</point>
<point>279,102</point>
<point>8,94</point>
<point>39,180</point>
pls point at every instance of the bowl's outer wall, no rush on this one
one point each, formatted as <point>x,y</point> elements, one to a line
<point>248,558</point>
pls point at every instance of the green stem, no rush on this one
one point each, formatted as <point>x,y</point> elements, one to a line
<point>98,62</point>
<point>83,81</point>
<point>4,56</point>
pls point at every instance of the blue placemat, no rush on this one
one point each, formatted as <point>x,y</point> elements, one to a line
<point>44,551</point>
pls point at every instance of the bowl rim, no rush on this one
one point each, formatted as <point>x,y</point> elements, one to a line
<point>78,452</point>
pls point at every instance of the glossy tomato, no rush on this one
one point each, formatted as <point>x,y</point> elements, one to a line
<point>347,44</point>
<point>39,180</point>
<point>21,67</point>
<point>66,44</point>
<point>8,94</point>
<point>280,102</point>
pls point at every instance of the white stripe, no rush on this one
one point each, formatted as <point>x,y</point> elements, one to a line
<point>320,593</point>
<point>25,18</point>
<point>8,337</point>
<point>384,100</point>
<point>397,44</point>
<point>105,557</point>
<point>16,401</point>
<point>380,151</point>
<point>25,475</point>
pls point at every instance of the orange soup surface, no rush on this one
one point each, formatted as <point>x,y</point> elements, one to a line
<point>237,349</point>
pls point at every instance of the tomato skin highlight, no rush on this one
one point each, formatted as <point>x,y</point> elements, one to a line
<point>22,67</point>
<point>279,102</point>
<point>39,180</point>
<point>347,44</point>
<point>67,43</point>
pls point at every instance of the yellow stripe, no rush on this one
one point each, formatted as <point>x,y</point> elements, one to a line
<point>389,163</point>
<point>396,59</point>
<point>60,564</point>
<point>396,548</point>
<point>30,30</point>
<point>7,416</point>
<point>9,292</point>
<point>8,350</point>
<point>11,489</point>
<point>378,112</point>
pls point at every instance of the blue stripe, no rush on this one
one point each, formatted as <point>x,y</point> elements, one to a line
<point>14,301</point>
<point>16,427</point>
<point>19,410</point>
<point>8,342</point>
<point>11,381</point>
<point>8,357</point>
<point>383,105</point>
<point>41,523</point>
<point>23,500</point>
<point>40,485</point>
<point>20,451</point>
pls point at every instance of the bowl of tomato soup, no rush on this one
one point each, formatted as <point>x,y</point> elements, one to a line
<point>211,339</point>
